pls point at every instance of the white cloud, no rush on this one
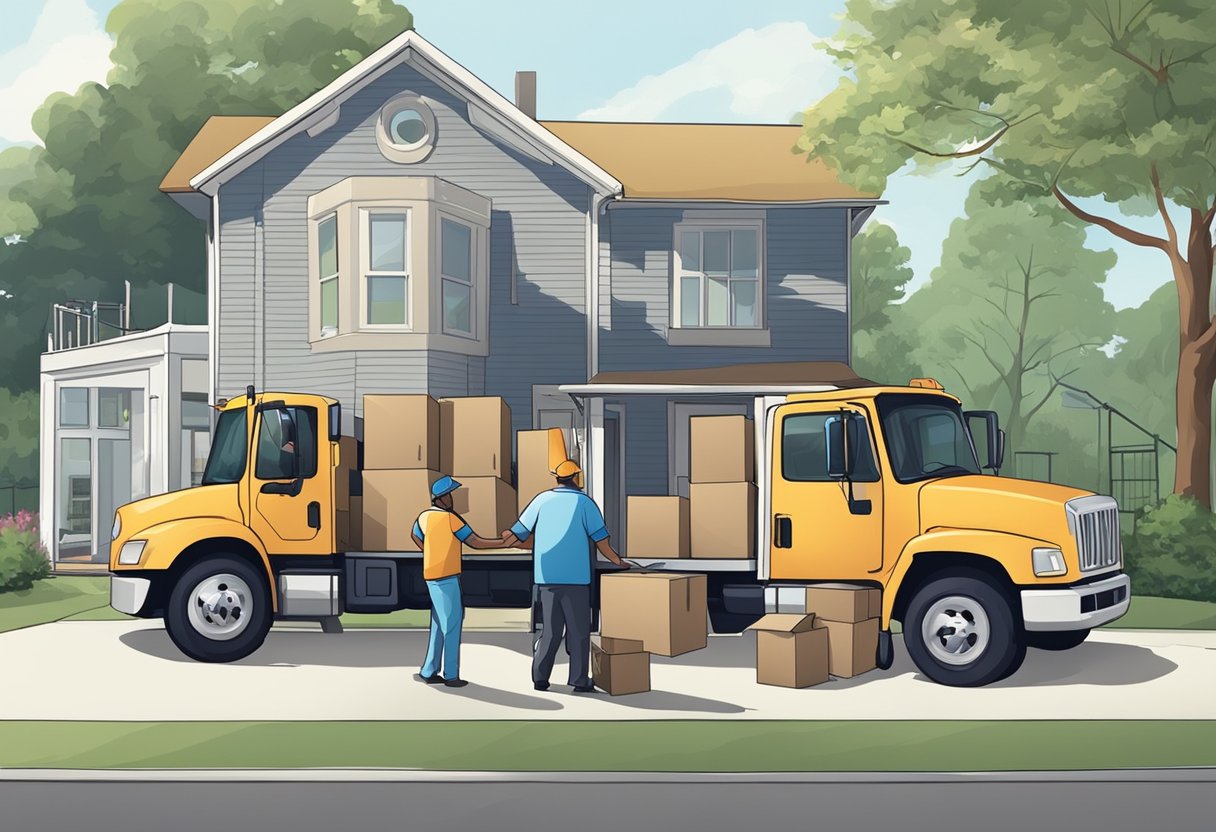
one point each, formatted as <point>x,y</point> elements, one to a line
<point>763,75</point>
<point>67,47</point>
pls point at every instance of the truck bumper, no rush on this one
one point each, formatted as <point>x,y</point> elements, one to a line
<point>127,595</point>
<point>1076,607</point>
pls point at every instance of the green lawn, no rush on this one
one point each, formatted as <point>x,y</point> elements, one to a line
<point>1167,614</point>
<point>611,746</point>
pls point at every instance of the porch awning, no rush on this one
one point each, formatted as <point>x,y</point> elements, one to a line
<point>733,379</point>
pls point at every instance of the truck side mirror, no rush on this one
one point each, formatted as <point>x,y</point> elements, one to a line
<point>993,435</point>
<point>841,446</point>
<point>1000,451</point>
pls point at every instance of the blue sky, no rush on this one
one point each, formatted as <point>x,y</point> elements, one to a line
<point>678,60</point>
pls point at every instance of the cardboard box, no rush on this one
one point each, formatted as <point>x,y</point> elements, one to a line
<point>852,647</point>
<point>475,437</point>
<point>665,611</point>
<point>400,432</point>
<point>657,527</point>
<point>620,673</point>
<point>355,540</point>
<point>537,453</point>
<point>348,460</point>
<point>621,645</point>
<point>839,602</point>
<point>342,530</point>
<point>723,449</point>
<point>392,501</point>
<point>486,503</point>
<point>723,519</point>
<point>791,651</point>
<point>875,603</point>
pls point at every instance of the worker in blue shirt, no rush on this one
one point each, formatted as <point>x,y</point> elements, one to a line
<point>563,519</point>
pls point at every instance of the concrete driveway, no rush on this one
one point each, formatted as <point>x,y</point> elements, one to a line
<point>129,670</point>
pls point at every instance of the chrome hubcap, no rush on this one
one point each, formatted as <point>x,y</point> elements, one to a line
<point>220,606</point>
<point>956,630</point>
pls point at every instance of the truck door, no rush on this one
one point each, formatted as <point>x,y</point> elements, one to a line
<point>817,532</point>
<point>291,481</point>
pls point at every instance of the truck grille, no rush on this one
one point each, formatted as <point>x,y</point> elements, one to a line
<point>1094,522</point>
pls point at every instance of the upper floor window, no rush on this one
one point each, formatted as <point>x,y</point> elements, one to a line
<point>456,271</point>
<point>405,130</point>
<point>719,277</point>
<point>327,270</point>
<point>386,272</point>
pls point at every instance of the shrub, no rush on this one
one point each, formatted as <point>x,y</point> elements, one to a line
<point>1172,553</point>
<point>23,559</point>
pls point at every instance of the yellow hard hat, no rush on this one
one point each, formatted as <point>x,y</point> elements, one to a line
<point>567,469</point>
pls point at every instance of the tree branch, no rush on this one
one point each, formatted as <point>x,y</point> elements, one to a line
<point>1121,231</point>
<point>1170,230</point>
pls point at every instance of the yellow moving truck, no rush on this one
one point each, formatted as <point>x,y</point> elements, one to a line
<point>975,566</point>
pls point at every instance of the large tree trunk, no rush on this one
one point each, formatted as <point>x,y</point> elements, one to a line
<point>1196,375</point>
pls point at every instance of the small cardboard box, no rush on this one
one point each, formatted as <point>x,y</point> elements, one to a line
<point>392,501</point>
<point>723,519</point>
<point>875,603</point>
<point>400,432</point>
<point>620,673</point>
<point>621,645</point>
<point>839,602</point>
<point>486,503</point>
<point>791,651</point>
<point>348,461</point>
<point>852,647</point>
<point>723,449</point>
<point>355,539</point>
<point>342,530</point>
<point>658,527</point>
<point>665,611</point>
<point>539,452</point>
<point>475,437</point>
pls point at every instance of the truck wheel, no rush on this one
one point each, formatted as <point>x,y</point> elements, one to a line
<point>1061,640</point>
<point>219,610</point>
<point>960,630</point>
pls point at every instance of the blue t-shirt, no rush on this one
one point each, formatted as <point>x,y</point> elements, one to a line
<point>563,519</point>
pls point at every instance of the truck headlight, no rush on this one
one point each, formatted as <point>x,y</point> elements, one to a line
<point>131,552</point>
<point>117,530</point>
<point>1048,562</point>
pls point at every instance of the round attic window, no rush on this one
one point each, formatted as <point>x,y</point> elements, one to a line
<point>406,129</point>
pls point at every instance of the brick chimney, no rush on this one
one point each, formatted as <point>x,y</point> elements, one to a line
<point>525,92</point>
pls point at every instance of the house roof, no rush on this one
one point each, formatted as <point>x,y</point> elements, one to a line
<point>785,377</point>
<point>218,135</point>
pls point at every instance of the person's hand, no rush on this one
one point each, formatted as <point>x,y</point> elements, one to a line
<point>624,564</point>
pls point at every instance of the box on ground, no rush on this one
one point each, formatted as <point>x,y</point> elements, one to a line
<point>791,650</point>
<point>620,673</point>
<point>665,611</point>
<point>475,437</point>
<point>621,645</point>
<point>852,647</point>
<point>400,431</point>
<point>722,516</point>
<point>348,462</point>
<point>875,604</point>
<point>486,503</point>
<point>392,501</point>
<point>355,538</point>
<point>341,530</point>
<point>538,453</point>
<point>658,527</point>
<point>722,449</point>
<point>841,602</point>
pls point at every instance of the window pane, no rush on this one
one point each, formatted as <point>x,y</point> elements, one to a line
<point>226,463</point>
<point>75,532</point>
<point>196,414</point>
<point>386,300</point>
<point>717,250</point>
<point>718,313</point>
<point>690,301</point>
<point>329,307</point>
<point>113,408</point>
<point>287,444</point>
<point>804,449</point>
<point>73,407</point>
<point>457,250</point>
<point>743,302</point>
<point>457,307</point>
<point>690,251</point>
<point>407,127</point>
<point>327,247</point>
<point>744,254</point>
<point>388,242</point>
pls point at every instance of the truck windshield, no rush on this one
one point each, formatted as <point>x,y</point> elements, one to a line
<point>227,461</point>
<point>926,437</point>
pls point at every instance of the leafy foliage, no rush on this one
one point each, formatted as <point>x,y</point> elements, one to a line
<point>23,559</point>
<point>1172,553</point>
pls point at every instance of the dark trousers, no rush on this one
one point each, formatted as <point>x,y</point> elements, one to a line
<point>567,612</point>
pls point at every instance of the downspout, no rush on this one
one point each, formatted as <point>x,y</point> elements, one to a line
<point>213,304</point>
<point>593,417</point>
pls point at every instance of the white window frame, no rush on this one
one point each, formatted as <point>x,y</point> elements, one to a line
<point>474,271</point>
<point>324,279</point>
<point>366,272</point>
<point>701,226</point>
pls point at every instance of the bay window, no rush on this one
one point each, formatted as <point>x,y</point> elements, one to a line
<point>456,273</point>
<point>386,275</point>
<point>327,270</point>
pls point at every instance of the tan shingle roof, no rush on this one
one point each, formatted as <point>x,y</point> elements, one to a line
<point>215,138</point>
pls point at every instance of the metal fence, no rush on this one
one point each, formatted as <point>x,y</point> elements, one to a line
<point>16,497</point>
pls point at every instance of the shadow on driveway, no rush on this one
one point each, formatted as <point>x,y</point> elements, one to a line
<point>1090,664</point>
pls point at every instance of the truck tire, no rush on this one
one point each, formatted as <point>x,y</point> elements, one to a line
<point>219,610</point>
<point>1059,640</point>
<point>961,630</point>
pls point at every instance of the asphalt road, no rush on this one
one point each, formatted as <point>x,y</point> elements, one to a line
<point>588,807</point>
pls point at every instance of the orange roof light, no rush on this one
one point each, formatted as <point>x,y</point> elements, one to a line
<point>929,383</point>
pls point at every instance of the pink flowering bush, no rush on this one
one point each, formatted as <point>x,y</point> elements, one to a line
<point>23,559</point>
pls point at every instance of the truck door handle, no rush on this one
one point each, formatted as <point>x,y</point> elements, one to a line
<point>290,489</point>
<point>314,515</point>
<point>783,531</point>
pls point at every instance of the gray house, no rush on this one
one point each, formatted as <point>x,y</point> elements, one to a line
<point>408,229</point>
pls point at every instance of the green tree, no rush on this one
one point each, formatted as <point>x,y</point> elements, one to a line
<point>881,341</point>
<point>1014,305</point>
<point>1070,100</point>
<point>87,200</point>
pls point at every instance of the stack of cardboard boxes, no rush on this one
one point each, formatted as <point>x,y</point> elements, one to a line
<point>620,665</point>
<point>722,491</point>
<point>475,442</point>
<point>539,453</point>
<point>348,508</point>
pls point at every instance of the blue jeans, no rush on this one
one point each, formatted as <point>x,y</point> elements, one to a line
<point>447,617</point>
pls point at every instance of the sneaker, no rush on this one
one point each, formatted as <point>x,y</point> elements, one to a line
<point>541,685</point>
<point>588,688</point>
<point>454,683</point>
<point>430,680</point>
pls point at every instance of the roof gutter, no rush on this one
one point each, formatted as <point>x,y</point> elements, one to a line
<point>590,390</point>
